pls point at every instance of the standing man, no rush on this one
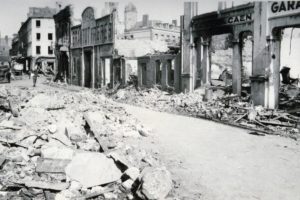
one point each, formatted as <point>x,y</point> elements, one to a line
<point>8,74</point>
<point>35,74</point>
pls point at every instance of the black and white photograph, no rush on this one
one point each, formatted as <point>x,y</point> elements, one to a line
<point>149,100</point>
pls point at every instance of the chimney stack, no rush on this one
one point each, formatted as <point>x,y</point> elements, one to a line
<point>145,20</point>
<point>6,40</point>
<point>174,22</point>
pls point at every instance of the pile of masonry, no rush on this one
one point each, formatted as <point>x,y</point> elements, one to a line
<point>58,144</point>
<point>214,104</point>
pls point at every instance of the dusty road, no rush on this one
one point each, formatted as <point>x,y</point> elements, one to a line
<point>218,162</point>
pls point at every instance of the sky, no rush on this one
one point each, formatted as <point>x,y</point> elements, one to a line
<point>13,12</point>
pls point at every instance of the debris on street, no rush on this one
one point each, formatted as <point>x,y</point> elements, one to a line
<point>62,144</point>
<point>218,104</point>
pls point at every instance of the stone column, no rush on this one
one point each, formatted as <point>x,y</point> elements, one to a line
<point>169,69</point>
<point>102,72</point>
<point>273,74</point>
<point>140,73</point>
<point>124,76</point>
<point>206,62</point>
<point>82,69</point>
<point>260,53</point>
<point>71,67</point>
<point>112,73</point>
<point>152,72</point>
<point>164,74</point>
<point>198,73</point>
<point>237,67</point>
<point>93,68</point>
<point>177,72</point>
<point>187,47</point>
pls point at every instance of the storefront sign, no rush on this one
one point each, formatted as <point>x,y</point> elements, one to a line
<point>239,19</point>
<point>280,8</point>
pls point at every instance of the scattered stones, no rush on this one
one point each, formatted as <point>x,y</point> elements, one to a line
<point>110,195</point>
<point>95,120</point>
<point>53,146</point>
<point>67,195</point>
<point>47,185</point>
<point>143,131</point>
<point>121,94</point>
<point>97,189</point>
<point>216,103</point>
<point>132,172</point>
<point>47,165</point>
<point>55,152</point>
<point>127,184</point>
<point>89,145</point>
<point>52,128</point>
<point>131,133</point>
<point>156,183</point>
<point>92,169</point>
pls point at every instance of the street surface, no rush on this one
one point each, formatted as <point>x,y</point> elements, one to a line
<point>216,162</point>
<point>223,162</point>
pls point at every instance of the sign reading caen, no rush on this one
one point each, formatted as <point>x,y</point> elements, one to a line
<point>239,19</point>
<point>280,8</point>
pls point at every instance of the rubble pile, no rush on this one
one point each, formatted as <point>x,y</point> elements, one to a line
<point>215,104</point>
<point>58,144</point>
<point>289,96</point>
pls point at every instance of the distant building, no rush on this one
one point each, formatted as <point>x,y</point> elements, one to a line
<point>130,16</point>
<point>40,12</point>
<point>109,7</point>
<point>37,37</point>
<point>63,24</point>
<point>13,52</point>
<point>5,45</point>
<point>149,29</point>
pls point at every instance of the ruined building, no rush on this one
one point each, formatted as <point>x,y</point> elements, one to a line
<point>63,24</point>
<point>92,50</point>
<point>265,21</point>
<point>161,69</point>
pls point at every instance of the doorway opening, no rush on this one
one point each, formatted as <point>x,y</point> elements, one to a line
<point>88,69</point>
<point>289,90</point>
<point>158,70</point>
<point>221,60</point>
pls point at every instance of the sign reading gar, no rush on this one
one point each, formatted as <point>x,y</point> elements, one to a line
<point>279,8</point>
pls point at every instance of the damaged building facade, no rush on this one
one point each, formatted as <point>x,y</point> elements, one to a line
<point>63,24</point>
<point>161,69</point>
<point>92,48</point>
<point>264,20</point>
<point>99,58</point>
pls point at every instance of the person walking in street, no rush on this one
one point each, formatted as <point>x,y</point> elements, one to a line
<point>29,73</point>
<point>8,75</point>
<point>35,73</point>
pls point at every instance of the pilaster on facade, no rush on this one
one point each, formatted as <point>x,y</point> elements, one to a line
<point>237,66</point>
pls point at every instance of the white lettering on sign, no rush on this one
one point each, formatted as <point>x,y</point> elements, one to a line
<point>279,8</point>
<point>239,19</point>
